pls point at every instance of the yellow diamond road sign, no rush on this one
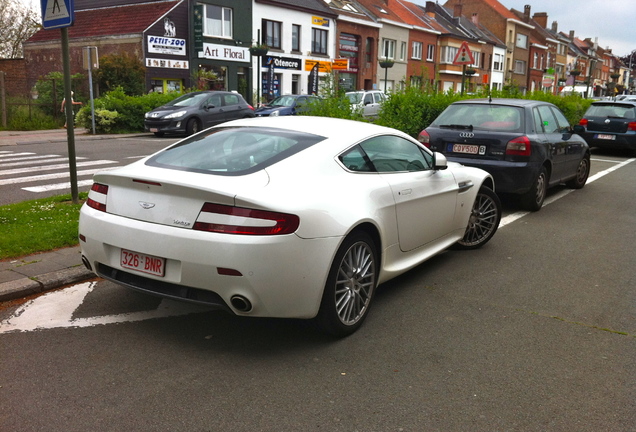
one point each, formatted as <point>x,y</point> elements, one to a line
<point>464,56</point>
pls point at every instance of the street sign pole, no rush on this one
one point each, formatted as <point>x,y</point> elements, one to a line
<point>70,121</point>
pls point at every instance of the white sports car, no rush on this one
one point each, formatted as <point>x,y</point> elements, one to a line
<point>298,217</point>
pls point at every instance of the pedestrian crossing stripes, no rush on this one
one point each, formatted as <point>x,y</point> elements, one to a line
<point>50,172</point>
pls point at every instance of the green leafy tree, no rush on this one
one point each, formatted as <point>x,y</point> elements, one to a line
<point>18,22</point>
<point>121,70</point>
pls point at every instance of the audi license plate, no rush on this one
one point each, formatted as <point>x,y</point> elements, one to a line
<point>605,137</point>
<point>144,263</point>
<point>467,148</point>
<point>154,130</point>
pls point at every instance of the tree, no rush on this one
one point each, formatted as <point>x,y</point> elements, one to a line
<point>121,70</point>
<point>18,22</point>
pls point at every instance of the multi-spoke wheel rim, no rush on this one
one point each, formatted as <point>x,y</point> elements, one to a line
<point>541,188</point>
<point>482,222</point>
<point>355,282</point>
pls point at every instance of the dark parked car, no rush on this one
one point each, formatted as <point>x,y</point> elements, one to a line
<point>196,111</point>
<point>526,145</point>
<point>610,124</point>
<point>286,105</point>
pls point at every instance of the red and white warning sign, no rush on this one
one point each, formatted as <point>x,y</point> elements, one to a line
<point>464,56</point>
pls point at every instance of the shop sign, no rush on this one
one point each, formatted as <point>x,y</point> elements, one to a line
<point>166,45</point>
<point>319,21</point>
<point>167,64</point>
<point>323,66</point>
<point>285,62</point>
<point>224,52</point>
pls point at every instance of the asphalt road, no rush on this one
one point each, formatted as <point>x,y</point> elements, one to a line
<point>534,332</point>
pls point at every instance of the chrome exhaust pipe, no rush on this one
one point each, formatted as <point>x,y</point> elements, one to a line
<point>241,303</point>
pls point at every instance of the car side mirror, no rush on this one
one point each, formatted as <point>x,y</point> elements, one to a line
<point>439,161</point>
<point>578,129</point>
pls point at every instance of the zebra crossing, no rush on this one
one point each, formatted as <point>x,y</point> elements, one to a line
<point>43,173</point>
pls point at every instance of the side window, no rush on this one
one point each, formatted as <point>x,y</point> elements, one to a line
<point>355,160</point>
<point>368,98</point>
<point>214,101</point>
<point>230,99</point>
<point>379,97</point>
<point>550,124</point>
<point>538,124</point>
<point>564,125</point>
<point>390,153</point>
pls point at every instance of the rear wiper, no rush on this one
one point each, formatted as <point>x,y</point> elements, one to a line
<point>457,126</point>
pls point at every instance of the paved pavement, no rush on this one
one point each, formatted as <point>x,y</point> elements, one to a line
<point>37,273</point>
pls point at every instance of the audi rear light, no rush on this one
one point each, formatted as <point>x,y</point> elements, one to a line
<point>238,220</point>
<point>583,122</point>
<point>424,138</point>
<point>631,126</point>
<point>519,147</point>
<point>97,197</point>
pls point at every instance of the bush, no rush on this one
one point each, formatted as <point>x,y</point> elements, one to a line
<point>51,92</point>
<point>117,112</point>
<point>24,118</point>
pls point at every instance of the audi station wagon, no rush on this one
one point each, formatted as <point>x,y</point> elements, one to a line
<point>526,145</point>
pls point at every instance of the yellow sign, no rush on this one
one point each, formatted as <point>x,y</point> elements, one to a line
<point>340,64</point>
<point>319,21</point>
<point>323,66</point>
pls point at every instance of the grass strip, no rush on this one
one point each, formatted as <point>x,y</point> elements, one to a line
<point>38,225</point>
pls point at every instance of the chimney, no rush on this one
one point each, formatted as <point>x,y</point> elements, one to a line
<point>475,18</point>
<point>430,8</point>
<point>555,26</point>
<point>526,13</point>
<point>571,35</point>
<point>541,18</point>
<point>457,10</point>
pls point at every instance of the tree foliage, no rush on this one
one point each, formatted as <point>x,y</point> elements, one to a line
<point>18,22</point>
<point>121,71</point>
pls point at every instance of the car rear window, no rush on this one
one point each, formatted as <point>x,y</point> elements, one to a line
<point>503,118</point>
<point>233,151</point>
<point>612,110</point>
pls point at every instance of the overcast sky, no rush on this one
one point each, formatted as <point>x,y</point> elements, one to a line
<point>613,22</point>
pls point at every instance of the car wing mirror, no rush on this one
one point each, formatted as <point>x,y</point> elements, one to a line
<point>578,129</point>
<point>439,161</point>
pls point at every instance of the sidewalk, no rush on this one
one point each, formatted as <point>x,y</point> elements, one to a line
<point>47,270</point>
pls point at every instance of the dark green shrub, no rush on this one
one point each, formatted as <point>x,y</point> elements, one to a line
<point>50,91</point>
<point>121,70</point>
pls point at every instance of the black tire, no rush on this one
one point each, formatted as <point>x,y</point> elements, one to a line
<point>193,126</point>
<point>582,172</point>
<point>484,220</point>
<point>350,286</point>
<point>159,134</point>
<point>533,199</point>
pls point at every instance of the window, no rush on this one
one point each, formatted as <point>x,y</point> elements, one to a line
<point>498,64</point>
<point>368,49</point>
<point>403,51</point>
<point>520,67</point>
<point>522,41</point>
<point>535,61</point>
<point>417,51</point>
<point>295,37</point>
<point>217,21</point>
<point>448,54</point>
<point>388,49</point>
<point>548,120</point>
<point>319,41</point>
<point>430,53</point>
<point>271,34</point>
<point>387,154</point>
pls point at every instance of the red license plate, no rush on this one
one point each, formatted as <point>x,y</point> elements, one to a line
<point>144,263</point>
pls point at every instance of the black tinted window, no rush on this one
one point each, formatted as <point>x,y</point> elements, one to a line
<point>491,117</point>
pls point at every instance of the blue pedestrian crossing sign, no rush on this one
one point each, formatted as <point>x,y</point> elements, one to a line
<point>57,13</point>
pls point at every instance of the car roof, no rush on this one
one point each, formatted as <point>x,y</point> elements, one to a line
<point>331,128</point>
<point>618,102</point>
<point>503,101</point>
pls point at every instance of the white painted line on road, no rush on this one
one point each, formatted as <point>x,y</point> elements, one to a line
<point>53,167</point>
<point>57,186</point>
<point>27,158</point>
<point>48,177</point>
<point>605,160</point>
<point>557,196</point>
<point>16,154</point>
<point>31,162</point>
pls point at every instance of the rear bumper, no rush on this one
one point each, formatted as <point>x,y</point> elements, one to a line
<point>621,141</point>
<point>509,177</point>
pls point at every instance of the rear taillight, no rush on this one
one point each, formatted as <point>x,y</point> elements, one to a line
<point>250,107</point>
<point>631,126</point>
<point>97,197</point>
<point>583,122</point>
<point>424,138</point>
<point>237,220</point>
<point>519,147</point>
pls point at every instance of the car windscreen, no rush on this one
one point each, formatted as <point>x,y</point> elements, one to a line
<point>233,150</point>
<point>188,100</point>
<point>283,101</point>
<point>502,118</point>
<point>612,110</point>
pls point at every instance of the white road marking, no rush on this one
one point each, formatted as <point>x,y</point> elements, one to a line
<point>48,176</point>
<point>16,154</point>
<point>31,161</point>
<point>57,186</point>
<point>55,310</point>
<point>53,167</point>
